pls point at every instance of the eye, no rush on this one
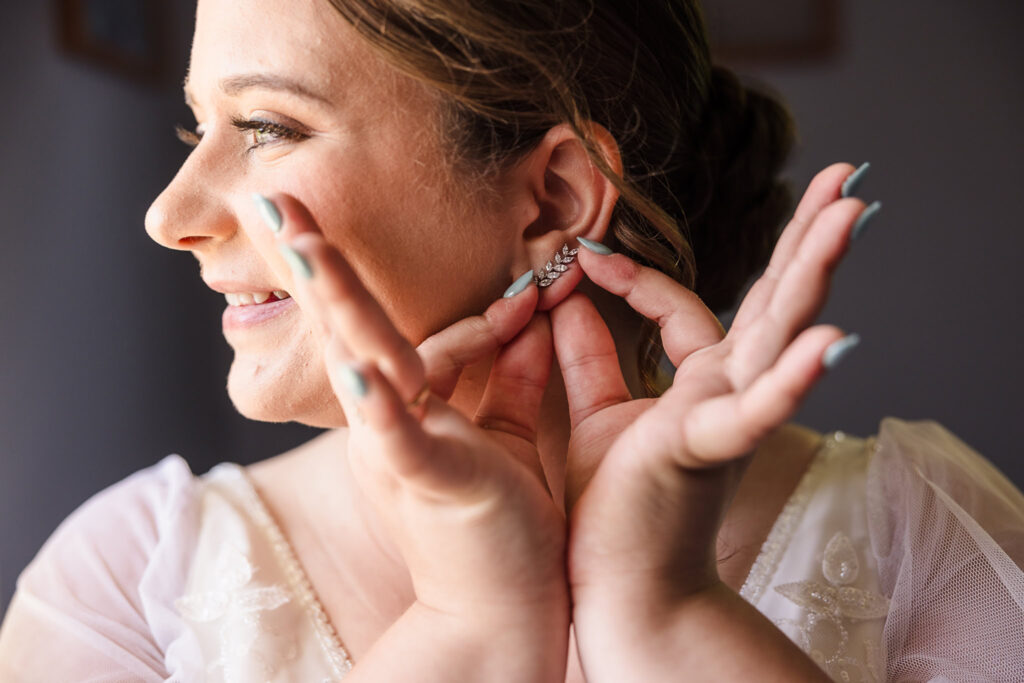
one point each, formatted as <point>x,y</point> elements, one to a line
<point>262,132</point>
<point>189,137</point>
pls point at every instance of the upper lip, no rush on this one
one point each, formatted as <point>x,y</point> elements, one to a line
<point>236,287</point>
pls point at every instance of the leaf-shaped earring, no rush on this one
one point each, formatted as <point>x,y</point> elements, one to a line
<point>553,270</point>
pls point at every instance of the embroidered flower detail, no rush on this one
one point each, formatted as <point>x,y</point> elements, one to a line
<point>238,607</point>
<point>824,634</point>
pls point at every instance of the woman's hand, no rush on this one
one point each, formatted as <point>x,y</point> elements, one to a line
<point>649,480</point>
<point>464,500</point>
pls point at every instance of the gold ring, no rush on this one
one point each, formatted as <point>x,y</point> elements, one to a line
<point>421,397</point>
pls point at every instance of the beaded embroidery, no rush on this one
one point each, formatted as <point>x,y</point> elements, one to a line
<point>238,607</point>
<point>779,538</point>
<point>829,606</point>
<point>297,579</point>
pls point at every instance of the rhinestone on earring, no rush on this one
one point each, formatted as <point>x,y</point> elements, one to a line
<point>553,271</point>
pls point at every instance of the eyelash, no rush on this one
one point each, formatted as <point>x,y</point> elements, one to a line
<point>189,137</point>
<point>256,126</point>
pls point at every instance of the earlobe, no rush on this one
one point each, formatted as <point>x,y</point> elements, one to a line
<point>574,199</point>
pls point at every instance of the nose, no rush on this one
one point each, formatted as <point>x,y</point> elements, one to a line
<point>190,212</point>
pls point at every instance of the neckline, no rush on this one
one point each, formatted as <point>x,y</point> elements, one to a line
<point>778,539</point>
<point>327,636</point>
<point>758,578</point>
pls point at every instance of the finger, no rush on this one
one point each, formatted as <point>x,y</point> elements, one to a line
<point>356,318</point>
<point>732,425</point>
<point>510,407</point>
<point>468,341</point>
<point>800,294</point>
<point>587,358</point>
<point>686,323</point>
<point>391,438</point>
<point>342,305</point>
<point>824,189</point>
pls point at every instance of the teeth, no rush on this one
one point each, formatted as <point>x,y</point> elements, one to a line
<point>252,298</point>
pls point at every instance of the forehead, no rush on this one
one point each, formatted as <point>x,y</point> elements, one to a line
<point>304,39</point>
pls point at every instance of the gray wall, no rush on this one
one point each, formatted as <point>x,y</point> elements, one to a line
<point>932,93</point>
<point>111,350</point>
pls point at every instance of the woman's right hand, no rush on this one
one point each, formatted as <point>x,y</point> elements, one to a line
<point>465,501</point>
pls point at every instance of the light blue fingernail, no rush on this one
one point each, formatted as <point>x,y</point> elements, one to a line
<point>593,246</point>
<point>838,350</point>
<point>353,381</point>
<point>865,217</point>
<point>520,285</point>
<point>298,264</point>
<point>269,212</point>
<point>853,180</point>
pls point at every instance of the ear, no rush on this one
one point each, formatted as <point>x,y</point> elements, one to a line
<point>571,197</point>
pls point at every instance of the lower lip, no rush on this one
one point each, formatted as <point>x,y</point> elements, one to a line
<point>242,317</point>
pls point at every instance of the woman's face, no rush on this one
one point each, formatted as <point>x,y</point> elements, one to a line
<point>288,99</point>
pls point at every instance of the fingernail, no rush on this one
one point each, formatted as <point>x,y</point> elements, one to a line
<point>838,350</point>
<point>298,264</point>
<point>519,285</point>
<point>865,217</point>
<point>269,212</point>
<point>595,247</point>
<point>353,381</point>
<point>853,180</point>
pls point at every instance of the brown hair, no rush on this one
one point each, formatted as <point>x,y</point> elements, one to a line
<point>699,196</point>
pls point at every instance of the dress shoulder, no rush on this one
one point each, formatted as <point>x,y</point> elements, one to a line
<point>899,558</point>
<point>96,591</point>
<point>947,534</point>
<point>166,576</point>
<point>918,465</point>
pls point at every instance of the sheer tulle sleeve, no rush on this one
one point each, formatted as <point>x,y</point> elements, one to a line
<point>947,532</point>
<point>92,605</point>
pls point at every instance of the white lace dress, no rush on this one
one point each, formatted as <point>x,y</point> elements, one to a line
<point>897,558</point>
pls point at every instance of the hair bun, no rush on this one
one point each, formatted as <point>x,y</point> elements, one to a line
<point>734,202</point>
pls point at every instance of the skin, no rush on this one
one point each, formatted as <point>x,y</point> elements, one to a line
<point>370,177</point>
<point>405,259</point>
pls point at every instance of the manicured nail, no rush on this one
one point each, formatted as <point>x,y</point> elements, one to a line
<point>519,285</point>
<point>353,381</point>
<point>595,247</point>
<point>270,214</point>
<point>865,217</point>
<point>853,180</point>
<point>838,350</point>
<point>298,264</point>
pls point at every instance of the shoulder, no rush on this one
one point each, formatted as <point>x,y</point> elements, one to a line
<point>97,589</point>
<point>911,460</point>
<point>116,530</point>
<point>948,538</point>
<point>926,485</point>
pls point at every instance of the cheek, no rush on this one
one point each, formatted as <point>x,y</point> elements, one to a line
<point>426,263</point>
<point>426,273</point>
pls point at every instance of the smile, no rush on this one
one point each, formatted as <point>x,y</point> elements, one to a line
<point>255,298</point>
<point>246,310</point>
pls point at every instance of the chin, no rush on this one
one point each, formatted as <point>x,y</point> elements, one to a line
<point>262,396</point>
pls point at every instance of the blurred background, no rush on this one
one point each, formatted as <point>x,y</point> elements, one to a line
<point>112,355</point>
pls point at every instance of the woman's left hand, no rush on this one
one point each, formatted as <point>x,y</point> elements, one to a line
<point>649,480</point>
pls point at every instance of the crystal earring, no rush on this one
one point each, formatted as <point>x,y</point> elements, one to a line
<point>553,271</point>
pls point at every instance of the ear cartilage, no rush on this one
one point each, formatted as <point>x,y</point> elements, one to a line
<point>553,271</point>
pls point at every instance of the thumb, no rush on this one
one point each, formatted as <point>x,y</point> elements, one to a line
<point>510,407</point>
<point>446,353</point>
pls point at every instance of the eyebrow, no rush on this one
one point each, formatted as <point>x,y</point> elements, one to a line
<point>234,85</point>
